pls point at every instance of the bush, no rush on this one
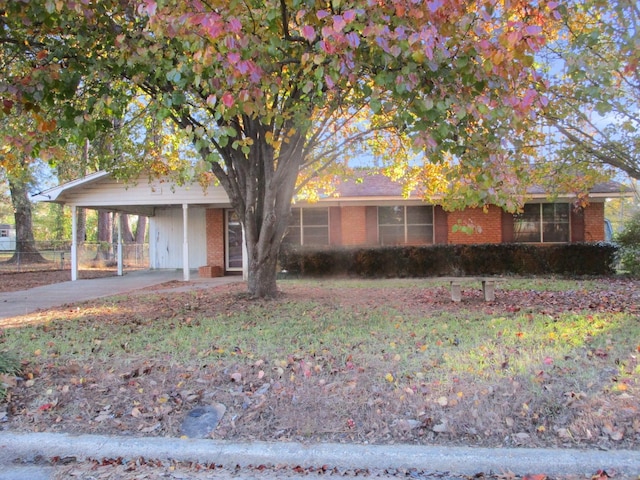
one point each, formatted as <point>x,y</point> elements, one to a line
<point>629,243</point>
<point>439,260</point>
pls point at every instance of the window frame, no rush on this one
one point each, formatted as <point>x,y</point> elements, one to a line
<point>406,225</point>
<point>299,224</point>
<point>543,220</point>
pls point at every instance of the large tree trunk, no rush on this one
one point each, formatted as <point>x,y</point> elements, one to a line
<point>260,188</point>
<point>81,225</point>
<point>105,236</point>
<point>26,251</point>
<point>125,229</point>
<point>141,229</point>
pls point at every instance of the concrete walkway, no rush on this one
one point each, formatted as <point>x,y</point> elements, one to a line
<point>14,304</point>
<point>455,460</point>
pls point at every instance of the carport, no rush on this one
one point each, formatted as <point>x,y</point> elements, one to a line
<point>177,203</point>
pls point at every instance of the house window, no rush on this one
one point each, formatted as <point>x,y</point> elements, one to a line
<point>4,233</point>
<point>308,226</point>
<point>542,223</point>
<point>400,225</point>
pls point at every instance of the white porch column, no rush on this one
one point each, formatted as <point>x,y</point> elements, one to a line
<point>185,243</point>
<point>74,243</point>
<point>119,247</point>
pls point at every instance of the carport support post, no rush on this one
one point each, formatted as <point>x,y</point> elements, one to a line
<point>74,243</point>
<point>185,243</point>
<point>119,244</point>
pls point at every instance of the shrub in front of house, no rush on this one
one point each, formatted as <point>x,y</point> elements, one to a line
<point>451,260</point>
<point>629,243</point>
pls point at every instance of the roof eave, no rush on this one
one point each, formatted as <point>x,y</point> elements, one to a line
<point>54,194</point>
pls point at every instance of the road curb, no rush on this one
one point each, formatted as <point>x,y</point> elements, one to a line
<point>28,447</point>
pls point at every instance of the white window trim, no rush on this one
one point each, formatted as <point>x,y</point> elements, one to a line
<point>406,224</point>
<point>301,224</point>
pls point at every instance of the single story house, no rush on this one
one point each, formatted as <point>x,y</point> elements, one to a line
<point>190,227</point>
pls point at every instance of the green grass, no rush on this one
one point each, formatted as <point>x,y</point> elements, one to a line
<point>9,365</point>
<point>370,352</point>
<point>408,343</point>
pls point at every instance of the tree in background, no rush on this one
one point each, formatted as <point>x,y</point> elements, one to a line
<point>271,93</point>
<point>594,87</point>
<point>20,136</point>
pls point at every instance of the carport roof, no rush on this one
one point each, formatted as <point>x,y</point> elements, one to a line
<point>141,196</point>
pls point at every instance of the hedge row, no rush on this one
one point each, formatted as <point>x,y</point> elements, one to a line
<point>452,260</point>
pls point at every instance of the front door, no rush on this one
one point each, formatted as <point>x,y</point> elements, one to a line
<point>234,241</point>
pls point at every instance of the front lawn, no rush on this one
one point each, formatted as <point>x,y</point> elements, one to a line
<point>549,363</point>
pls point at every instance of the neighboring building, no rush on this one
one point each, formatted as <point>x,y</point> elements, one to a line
<point>7,237</point>
<point>189,227</point>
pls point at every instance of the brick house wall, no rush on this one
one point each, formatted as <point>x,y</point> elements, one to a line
<point>358,226</point>
<point>594,222</point>
<point>487,225</point>
<point>353,223</point>
<point>215,237</point>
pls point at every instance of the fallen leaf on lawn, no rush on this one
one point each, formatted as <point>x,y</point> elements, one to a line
<point>150,428</point>
<point>564,433</point>
<point>102,417</point>
<point>388,377</point>
<point>443,401</point>
<point>539,476</point>
<point>548,361</point>
<point>135,412</point>
<point>521,437</point>
<point>614,433</point>
<point>441,427</point>
<point>236,377</point>
<point>8,380</point>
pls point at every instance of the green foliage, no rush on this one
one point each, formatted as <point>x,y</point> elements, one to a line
<point>51,222</point>
<point>629,242</point>
<point>594,97</point>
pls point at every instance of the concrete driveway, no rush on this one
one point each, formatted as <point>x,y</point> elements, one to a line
<point>14,304</point>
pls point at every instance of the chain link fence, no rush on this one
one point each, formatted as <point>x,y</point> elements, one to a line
<point>56,255</point>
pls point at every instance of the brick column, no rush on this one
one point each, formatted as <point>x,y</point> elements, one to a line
<point>215,239</point>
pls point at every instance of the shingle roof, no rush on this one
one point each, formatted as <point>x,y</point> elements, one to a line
<point>370,186</point>
<point>378,185</point>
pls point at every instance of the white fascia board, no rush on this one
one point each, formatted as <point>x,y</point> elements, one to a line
<point>53,194</point>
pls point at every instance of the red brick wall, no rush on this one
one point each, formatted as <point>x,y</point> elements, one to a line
<point>594,222</point>
<point>488,226</point>
<point>354,225</point>
<point>215,237</point>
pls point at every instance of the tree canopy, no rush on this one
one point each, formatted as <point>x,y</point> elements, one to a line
<point>270,93</point>
<point>594,85</point>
